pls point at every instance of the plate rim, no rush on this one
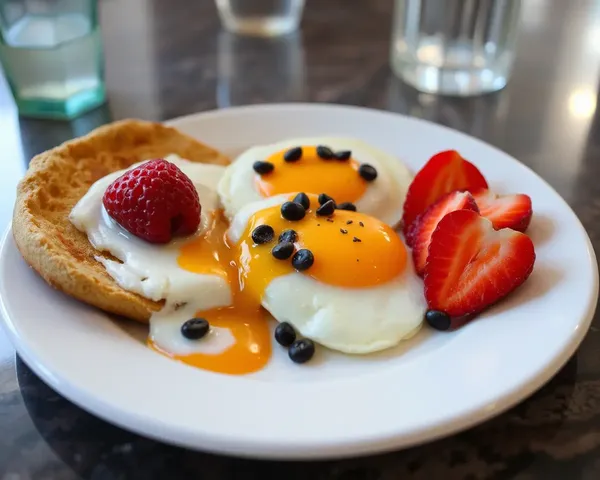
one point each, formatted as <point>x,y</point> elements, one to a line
<point>350,447</point>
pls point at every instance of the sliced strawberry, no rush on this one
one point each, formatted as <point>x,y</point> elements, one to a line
<point>443,173</point>
<point>506,211</point>
<point>471,266</point>
<point>422,228</point>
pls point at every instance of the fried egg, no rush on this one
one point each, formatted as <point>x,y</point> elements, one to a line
<point>382,198</point>
<point>359,296</point>
<point>154,272</point>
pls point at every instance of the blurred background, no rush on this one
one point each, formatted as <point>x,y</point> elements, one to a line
<point>158,59</point>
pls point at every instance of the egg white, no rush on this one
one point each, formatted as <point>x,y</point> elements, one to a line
<point>350,320</point>
<point>151,270</point>
<point>383,199</point>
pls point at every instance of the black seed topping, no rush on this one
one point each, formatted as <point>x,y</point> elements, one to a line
<point>324,152</point>
<point>318,224</point>
<point>349,222</point>
<point>195,328</point>
<point>283,250</point>
<point>301,351</point>
<point>356,239</point>
<point>263,234</point>
<point>293,154</point>
<point>302,199</point>
<point>263,167</point>
<point>438,320</point>
<point>324,198</point>
<point>303,259</point>
<point>367,172</point>
<point>326,209</point>
<point>292,211</point>
<point>330,220</point>
<point>347,206</point>
<point>343,231</point>
<point>343,155</point>
<point>288,236</point>
<point>361,224</point>
<point>285,334</point>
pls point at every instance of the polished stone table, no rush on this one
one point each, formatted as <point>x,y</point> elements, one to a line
<point>166,58</point>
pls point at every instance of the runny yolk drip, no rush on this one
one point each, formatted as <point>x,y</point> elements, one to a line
<point>350,249</point>
<point>312,174</point>
<point>250,351</point>
<point>246,320</point>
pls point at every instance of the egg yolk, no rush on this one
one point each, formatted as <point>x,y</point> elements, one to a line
<point>338,179</point>
<point>350,250</point>
<point>250,351</point>
<point>245,319</point>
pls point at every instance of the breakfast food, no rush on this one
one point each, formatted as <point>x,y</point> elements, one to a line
<point>445,172</point>
<point>506,211</point>
<point>349,284</point>
<point>471,266</point>
<point>152,269</point>
<point>353,172</point>
<point>467,243</point>
<point>58,178</point>
<point>145,222</point>
<point>154,201</point>
<point>424,225</point>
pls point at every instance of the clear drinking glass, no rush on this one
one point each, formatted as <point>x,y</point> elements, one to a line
<point>454,47</point>
<point>51,51</point>
<point>260,17</point>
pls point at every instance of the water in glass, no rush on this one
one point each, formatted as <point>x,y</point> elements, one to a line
<point>52,59</point>
<point>454,47</point>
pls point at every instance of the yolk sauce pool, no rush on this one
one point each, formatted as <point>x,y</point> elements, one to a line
<point>350,250</point>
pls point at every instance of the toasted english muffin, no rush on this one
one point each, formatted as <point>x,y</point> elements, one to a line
<point>55,182</point>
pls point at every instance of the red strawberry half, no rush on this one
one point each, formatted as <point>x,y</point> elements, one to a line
<point>422,228</point>
<point>443,173</point>
<point>506,211</point>
<point>471,266</point>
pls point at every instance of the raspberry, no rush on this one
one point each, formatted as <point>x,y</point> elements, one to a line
<point>154,201</point>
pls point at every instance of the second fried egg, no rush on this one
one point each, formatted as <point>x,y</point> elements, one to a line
<point>338,176</point>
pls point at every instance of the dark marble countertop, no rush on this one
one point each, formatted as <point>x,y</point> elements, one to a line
<point>166,58</point>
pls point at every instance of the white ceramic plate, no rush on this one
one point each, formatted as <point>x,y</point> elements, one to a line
<point>433,385</point>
